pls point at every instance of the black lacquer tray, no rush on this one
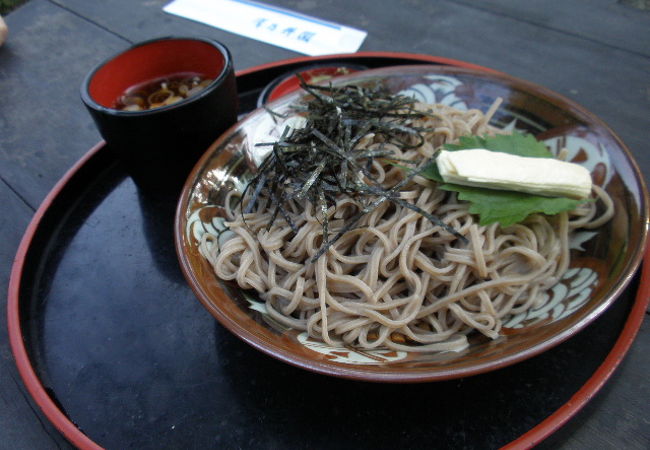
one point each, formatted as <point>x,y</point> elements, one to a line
<point>118,353</point>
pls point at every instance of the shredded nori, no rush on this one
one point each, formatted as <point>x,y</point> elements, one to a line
<point>320,161</point>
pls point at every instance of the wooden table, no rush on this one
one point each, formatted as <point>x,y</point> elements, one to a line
<point>596,53</point>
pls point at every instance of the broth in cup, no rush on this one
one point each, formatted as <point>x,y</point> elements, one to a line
<point>162,91</point>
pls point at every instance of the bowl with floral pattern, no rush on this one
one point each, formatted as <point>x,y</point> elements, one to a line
<point>603,261</point>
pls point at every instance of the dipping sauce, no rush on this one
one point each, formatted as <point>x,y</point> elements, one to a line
<point>162,91</point>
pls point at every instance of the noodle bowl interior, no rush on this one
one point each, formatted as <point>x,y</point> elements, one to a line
<point>397,280</point>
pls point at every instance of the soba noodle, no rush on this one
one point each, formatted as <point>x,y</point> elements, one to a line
<point>397,280</point>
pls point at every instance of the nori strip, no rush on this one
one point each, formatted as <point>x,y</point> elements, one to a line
<point>320,161</point>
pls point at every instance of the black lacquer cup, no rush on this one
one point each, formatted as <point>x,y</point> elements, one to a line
<point>158,147</point>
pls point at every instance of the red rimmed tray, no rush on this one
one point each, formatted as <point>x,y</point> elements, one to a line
<point>58,298</point>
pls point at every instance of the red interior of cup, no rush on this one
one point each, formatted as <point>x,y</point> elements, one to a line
<point>153,60</point>
<point>316,75</point>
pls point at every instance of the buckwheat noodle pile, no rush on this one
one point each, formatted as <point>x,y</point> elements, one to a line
<point>397,280</point>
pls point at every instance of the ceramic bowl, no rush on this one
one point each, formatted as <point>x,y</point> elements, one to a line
<point>603,262</point>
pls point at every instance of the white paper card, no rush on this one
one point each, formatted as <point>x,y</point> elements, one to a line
<point>272,25</point>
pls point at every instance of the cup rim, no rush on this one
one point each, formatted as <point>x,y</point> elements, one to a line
<point>91,103</point>
<point>268,91</point>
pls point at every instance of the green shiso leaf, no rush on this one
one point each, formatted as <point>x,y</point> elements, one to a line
<point>515,144</point>
<point>505,207</point>
<point>431,172</point>
<point>508,207</point>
